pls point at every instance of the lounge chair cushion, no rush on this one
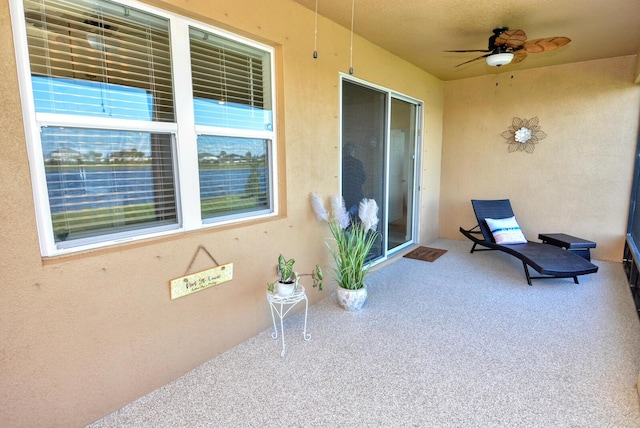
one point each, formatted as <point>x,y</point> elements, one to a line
<point>506,230</point>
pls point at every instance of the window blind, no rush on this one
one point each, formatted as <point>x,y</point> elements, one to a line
<point>231,86</point>
<point>104,182</point>
<point>97,53</point>
<point>234,175</point>
<point>101,59</point>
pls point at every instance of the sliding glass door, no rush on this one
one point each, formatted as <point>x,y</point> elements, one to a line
<point>364,113</point>
<point>402,145</point>
<point>379,142</point>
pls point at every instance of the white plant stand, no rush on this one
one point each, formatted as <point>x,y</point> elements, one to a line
<point>281,306</point>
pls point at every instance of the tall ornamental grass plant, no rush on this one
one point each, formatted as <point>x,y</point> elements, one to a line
<point>350,250</point>
<point>352,240</point>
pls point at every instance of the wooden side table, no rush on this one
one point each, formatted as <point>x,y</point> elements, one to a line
<point>281,306</point>
<point>576,245</point>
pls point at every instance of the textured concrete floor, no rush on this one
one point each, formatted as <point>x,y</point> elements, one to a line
<point>461,342</point>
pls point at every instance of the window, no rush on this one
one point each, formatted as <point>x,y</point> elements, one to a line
<point>141,122</point>
<point>228,92</point>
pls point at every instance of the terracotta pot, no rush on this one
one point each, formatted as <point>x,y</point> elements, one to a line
<point>351,300</point>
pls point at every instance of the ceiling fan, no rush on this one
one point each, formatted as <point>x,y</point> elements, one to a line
<point>511,46</point>
<point>79,28</point>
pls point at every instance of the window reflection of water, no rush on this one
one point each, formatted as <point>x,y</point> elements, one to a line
<point>72,189</point>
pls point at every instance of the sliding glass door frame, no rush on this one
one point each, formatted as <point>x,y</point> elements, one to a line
<point>416,132</point>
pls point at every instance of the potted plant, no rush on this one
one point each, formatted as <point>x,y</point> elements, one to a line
<point>351,244</point>
<point>287,283</point>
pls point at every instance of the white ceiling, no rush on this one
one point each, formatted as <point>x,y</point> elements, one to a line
<point>420,30</point>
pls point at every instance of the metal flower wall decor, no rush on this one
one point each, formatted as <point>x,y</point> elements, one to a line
<point>523,135</point>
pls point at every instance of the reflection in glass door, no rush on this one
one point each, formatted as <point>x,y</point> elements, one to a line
<point>379,140</point>
<point>363,151</point>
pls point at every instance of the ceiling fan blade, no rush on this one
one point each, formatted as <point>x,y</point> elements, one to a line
<point>512,38</point>
<point>471,50</point>
<point>519,56</point>
<point>547,44</point>
<point>473,60</point>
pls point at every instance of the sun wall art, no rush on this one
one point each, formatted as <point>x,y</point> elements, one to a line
<point>523,134</point>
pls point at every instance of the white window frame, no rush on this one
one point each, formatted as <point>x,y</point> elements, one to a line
<point>186,177</point>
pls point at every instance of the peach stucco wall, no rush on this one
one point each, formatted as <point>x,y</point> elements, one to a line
<point>578,179</point>
<point>82,335</point>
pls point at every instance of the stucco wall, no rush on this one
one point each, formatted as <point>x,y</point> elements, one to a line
<point>578,179</point>
<point>80,336</point>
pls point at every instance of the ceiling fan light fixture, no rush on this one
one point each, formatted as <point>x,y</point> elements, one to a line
<point>497,60</point>
<point>96,42</point>
<point>101,43</point>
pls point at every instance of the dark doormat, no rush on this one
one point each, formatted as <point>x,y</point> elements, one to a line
<point>425,253</point>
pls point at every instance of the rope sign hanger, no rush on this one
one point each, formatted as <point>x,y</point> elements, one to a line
<point>193,259</point>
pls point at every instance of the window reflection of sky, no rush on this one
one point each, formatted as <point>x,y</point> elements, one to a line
<point>88,98</point>
<point>98,99</point>
<point>231,115</point>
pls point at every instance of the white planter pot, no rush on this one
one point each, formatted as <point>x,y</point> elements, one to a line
<point>351,300</point>
<point>284,289</point>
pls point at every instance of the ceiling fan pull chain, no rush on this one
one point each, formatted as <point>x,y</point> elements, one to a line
<point>353,6</point>
<point>315,34</point>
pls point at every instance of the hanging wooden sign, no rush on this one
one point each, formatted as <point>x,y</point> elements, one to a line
<point>199,281</point>
<point>189,284</point>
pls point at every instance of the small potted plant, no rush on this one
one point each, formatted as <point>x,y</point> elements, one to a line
<point>352,242</point>
<point>287,283</point>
